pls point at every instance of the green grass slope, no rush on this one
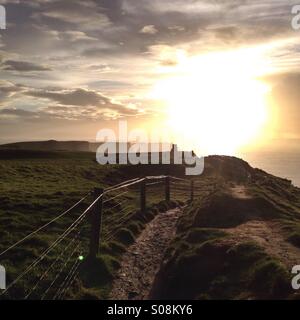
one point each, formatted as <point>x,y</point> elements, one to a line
<point>205,262</point>
<point>36,186</point>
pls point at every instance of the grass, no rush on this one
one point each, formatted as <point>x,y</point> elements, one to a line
<point>37,186</point>
<point>111,252</point>
<point>291,230</point>
<point>201,263</point>
<point>212,267</point>
<point>204,262</point>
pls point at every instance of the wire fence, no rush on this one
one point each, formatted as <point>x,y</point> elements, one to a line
<point>46,264</point>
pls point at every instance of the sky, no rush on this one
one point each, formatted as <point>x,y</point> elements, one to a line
<point>70,68</point>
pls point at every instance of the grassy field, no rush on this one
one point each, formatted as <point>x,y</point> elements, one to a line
<point>37,186</point>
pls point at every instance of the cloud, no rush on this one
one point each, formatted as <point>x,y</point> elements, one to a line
<point>177,28</point>
<point>165,55</point>
<point>86,15</point>
<point>9,1</point>
<point>74,36</point>
<point>22,66</point>
<point>8,90</point>
<point>91,103</point>
<point>76,97</point>
<point>89,113</point>
<point>150,29</point>
<point>75,104</point>
<point>68,113</point>
<point>229,33</point>
<point>100,68</point>
<point>16,113</point>
<point>106,48</point>
<point>1,42</point>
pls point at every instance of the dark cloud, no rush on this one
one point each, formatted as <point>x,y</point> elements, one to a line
<point>94,103</point>
<point>76,97</point>
<point>17,112</point>
<point>23,66</point>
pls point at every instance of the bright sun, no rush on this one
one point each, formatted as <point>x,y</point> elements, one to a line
<point>215,102</point>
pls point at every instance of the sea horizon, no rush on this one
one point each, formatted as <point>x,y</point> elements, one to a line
<point>281,164</point>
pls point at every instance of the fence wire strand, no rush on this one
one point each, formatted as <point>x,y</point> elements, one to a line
<point>119,204</point>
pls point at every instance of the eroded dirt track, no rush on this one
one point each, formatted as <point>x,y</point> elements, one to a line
<point>269,236</point>
<point>142,260</point>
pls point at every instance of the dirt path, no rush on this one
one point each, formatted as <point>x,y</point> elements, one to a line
<point>240,192</point>
<point>269,236</point>
<point>142,260</point>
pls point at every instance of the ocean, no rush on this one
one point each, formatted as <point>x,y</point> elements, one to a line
<point>284,165</point>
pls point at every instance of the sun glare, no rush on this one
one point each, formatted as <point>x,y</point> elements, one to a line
<point>215,102</point>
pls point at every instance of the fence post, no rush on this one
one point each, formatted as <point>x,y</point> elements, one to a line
<point>96,219</point>
<point>143,195</point>
<point>167,188</point>
<point>192,190</point>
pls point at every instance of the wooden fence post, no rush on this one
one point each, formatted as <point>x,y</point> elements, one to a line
<point>192,190</point>
<point>167,188</point>
<point>96,219</point>
<point>143,195</point>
